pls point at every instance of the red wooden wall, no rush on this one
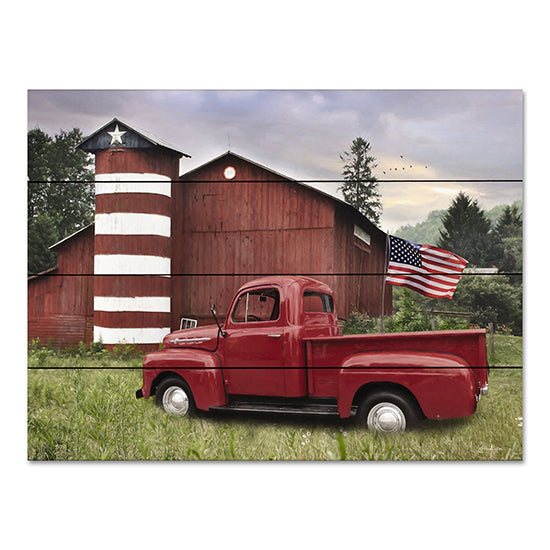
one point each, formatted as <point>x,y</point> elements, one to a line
<point>226,232</point>
<point>360,290</point>
<point>60,304</point>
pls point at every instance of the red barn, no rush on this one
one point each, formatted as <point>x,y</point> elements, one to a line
<point>165,247</point>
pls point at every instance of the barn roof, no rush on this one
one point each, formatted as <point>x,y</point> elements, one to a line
<point>93,142</point>
<point>232,154</point>
<point>337,200</point>
<point>71,236</point>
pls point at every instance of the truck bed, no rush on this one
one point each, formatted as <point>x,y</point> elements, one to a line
<point>325,355</point>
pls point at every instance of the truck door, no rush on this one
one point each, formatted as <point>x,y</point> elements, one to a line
<point>253,346</point>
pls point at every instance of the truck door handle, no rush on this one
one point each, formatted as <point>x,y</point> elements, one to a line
<point>274,335</point>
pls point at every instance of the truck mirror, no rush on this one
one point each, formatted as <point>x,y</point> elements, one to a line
<point>220,331</point>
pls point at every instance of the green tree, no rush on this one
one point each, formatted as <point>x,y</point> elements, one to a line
<point>360,187</point>
<point>410,316</point>
<point>467,232</point>
<point>508,232</point>
<point>60,193</point>
<point>491,299</point>
<point>425,232</point>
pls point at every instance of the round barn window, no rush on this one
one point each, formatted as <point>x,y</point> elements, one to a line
<point>229,173</point>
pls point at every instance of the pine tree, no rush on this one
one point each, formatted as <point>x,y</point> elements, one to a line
<point>509,235</point>
<point>509,223</point>
<point>360,187</point>
<point>467,232</point>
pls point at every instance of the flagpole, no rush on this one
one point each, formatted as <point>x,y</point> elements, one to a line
<point>384,283</point>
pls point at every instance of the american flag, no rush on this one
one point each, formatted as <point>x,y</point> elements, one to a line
<point>431,271</point>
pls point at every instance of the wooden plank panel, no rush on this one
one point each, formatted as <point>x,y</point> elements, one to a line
<point>141,285</point>
<point>59,330</point>
<point>154,245</point>
<point>147,203</point>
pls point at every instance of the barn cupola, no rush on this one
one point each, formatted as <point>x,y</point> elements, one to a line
<point>134,171</point>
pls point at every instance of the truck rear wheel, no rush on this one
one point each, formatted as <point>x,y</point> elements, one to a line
<point>174,396</point>
<point>387,412</point>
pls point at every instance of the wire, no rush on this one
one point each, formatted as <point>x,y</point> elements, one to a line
<point>293,274</point>
<point>202,368</point>
<point>491,180</point>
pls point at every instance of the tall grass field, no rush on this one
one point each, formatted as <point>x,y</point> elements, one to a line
<point>82,407</point>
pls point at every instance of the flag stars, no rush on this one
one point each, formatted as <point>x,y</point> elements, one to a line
<point>402,251</point>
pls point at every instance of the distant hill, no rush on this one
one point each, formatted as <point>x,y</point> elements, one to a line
<point>427,232</point>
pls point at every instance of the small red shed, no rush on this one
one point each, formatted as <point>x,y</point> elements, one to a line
<point>60,300</point>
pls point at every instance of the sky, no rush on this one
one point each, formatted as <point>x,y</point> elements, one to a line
<point>301,133</point>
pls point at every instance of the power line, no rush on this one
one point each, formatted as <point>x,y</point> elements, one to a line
<point>481,180</point>
<point>238,274</point>
<point>140,367</point>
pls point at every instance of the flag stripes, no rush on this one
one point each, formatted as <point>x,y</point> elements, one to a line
<point>426,269</point>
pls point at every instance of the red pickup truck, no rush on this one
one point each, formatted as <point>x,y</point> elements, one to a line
<point>279,349</point>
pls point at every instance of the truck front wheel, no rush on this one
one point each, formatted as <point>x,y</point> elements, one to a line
<point>387,412</point>
<point>174,396</point>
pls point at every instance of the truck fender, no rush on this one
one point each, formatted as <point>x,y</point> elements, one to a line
<point>200,369</point>
<point>442,383</point>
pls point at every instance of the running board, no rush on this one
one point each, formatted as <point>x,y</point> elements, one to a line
<point>306,408</point>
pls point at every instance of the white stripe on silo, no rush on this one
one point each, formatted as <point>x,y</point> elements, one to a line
<point>130,223</point>
<point>130,335</point>
<point>129,264</point>
<point>133,183</point>
<point>132,303</point>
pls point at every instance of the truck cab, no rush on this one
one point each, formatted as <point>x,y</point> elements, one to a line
<point>262,351</point>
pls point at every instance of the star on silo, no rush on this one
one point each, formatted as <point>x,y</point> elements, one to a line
<point>116,136</point>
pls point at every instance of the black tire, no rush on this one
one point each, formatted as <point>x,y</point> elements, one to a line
<point>174,396</point>
<point>386,411</point>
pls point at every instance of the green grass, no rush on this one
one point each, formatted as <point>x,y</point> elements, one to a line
<point>77,413</point>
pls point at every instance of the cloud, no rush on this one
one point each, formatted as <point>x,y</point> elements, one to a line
<point>414,135</point>
<point>445,191</point>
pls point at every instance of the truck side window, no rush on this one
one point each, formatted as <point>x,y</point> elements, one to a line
<point>257,305</point>
<point>317,302</point>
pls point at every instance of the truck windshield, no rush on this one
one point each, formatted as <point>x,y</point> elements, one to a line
<point>317,302</point>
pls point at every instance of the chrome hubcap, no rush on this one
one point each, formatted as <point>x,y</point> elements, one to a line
<point>175,401</point>
<point>386,418</point>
